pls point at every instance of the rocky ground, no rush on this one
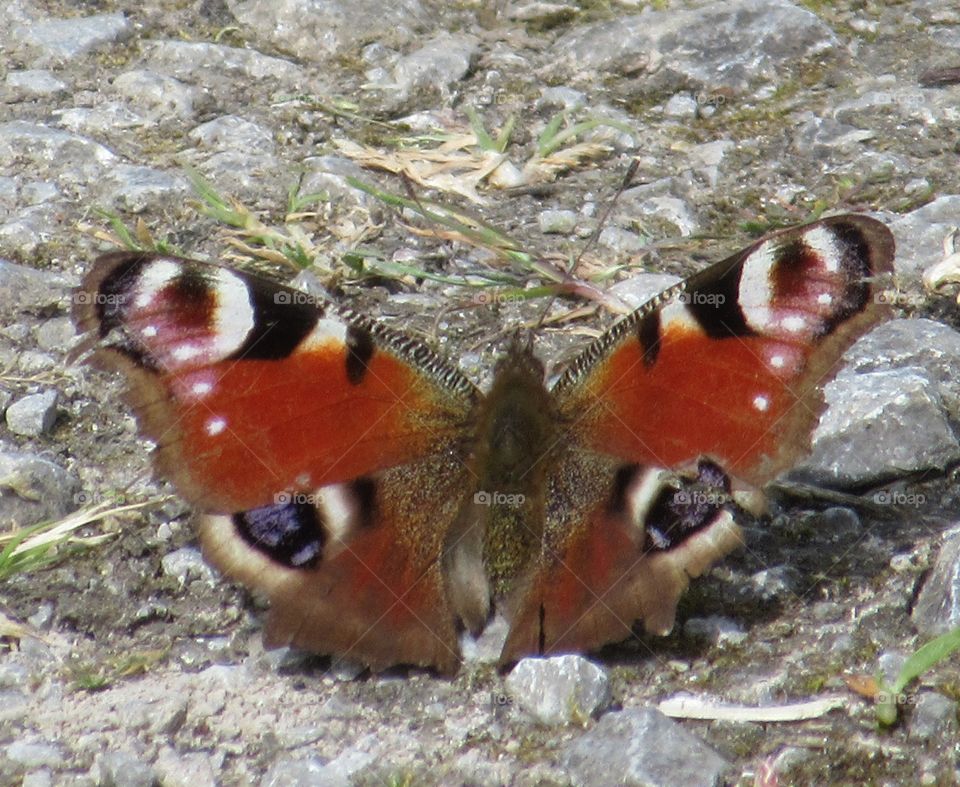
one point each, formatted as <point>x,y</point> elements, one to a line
<point>136,665</point>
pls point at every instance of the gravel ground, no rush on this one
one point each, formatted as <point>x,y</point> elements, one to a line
<point>139,666</point>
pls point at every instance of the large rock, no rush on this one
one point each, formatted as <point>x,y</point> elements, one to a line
<point>717,46</point>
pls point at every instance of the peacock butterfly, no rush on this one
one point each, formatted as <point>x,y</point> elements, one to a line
<point>384,503</point>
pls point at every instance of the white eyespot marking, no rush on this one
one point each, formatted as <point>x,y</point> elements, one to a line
<point>149,331</point>
<point>338,509</point>
<point>302,480</point>
<point>794,324</point>
<point>825,299</point>
<point>215,426</point>
<point>778,361</point>
<point>154,277</point>
<point>822,242</point>
<point>761,403</point>
<point>326,333</point>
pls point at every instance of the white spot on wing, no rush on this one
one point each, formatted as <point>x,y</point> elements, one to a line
<point>825,299</point>
<point>761,403</point>
<point>777,361</point>
<point>794,324</point>
<point>186,352</point>
<point>215,426</point>
<point>149,331</point>
<point>201,388</point>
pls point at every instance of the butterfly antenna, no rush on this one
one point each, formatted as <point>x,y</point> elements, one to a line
<point>595,235</point>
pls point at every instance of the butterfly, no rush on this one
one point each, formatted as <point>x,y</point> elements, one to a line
<point>385,504</point>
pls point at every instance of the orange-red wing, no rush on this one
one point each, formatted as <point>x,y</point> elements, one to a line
<point>356,570</point>
<point>729,363</point>
<point>624,548</point>
<point>251,389</point>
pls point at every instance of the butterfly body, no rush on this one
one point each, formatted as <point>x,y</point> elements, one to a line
<point>384,503</point>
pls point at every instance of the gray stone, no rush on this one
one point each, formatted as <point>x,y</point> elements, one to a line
<point>185,565</point>
<point>312,772</point>
<point>122,769</point>
<point>670,210</point>
<point>15,705</point>
<point>32,145</point>
<point>327,176</point>
<point>920,233</point>
<point>55,41</point>
<point>30,755</point>
<point>820,137</point>
<point>715,629</point>
<point>681,105</point>
<point>436,66</point>
<point>934,717</point>
<point>730,45</point>
<point>639,289</point>
<point>879,425</point>
<point>27,290</point>
<point>40,778</point>
<point>135,189</point>
<point>317,31</point>
<point>33,415</point>
<point>38,191</point>
<point>561,222</point>
<point>930,346</point>
<point>31,362</point>
<point>31,84</point>
<point>203,63</point>
<point>937,609</point>
<point>57,333</point>
<point>642,747</point>
<point>559,690</point>
<point>33,489</point>
<point>622,241</point>
<point>230,132</point>
<point>777,582</point>
<point>194,769</point>
<point>159,96</point>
